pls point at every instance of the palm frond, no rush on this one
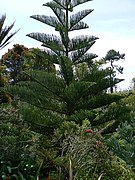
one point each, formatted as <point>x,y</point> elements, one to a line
<point>4,32</point>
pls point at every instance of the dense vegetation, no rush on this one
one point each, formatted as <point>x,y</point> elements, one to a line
<point>61,116</point>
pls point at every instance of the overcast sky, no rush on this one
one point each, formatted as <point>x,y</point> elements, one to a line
<point>113,21</point>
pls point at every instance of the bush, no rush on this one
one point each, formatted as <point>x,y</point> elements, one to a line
<point>122,143</point>
<point>17,145</point>
<point>85,155</point>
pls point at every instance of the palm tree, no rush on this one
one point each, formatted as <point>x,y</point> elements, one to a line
<point>4,41</point>
<point>4,32</point>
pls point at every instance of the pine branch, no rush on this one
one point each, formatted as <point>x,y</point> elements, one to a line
<point>57,11</point>
<point>84,58</point>
<point>78,26</point>
<point>49,20</point>
<point>76,18</point>
<point>81,42</point>
<point>34,79</point>
<point>78,2</point>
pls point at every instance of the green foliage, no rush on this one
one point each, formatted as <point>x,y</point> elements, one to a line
<point>55,104</point>
<point>17,146</point>
<point>122,143</point>
<point>40,120</point>
<point>84,155</point>
<point>20,58</point>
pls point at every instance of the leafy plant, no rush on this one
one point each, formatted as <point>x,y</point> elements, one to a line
<point>122,143</point>
<point>17,145</point>
<point>84,155</point>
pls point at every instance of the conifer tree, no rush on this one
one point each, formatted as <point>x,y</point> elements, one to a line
<point>67,95</point>
<point>112,57</point>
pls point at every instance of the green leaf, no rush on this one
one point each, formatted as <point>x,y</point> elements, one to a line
<point>16,177</point>
<point>4,177</point>
<point>9,169</point>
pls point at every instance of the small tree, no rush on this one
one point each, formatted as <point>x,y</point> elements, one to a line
<point>112,57</point>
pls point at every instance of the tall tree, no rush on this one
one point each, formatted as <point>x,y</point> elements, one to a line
<point>52,99</point>
<point>65,95</point>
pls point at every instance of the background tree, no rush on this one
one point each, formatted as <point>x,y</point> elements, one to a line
<point>37,59</point>
<point>14,62</point>
<point>20,58</point>
<point>113,57</point>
